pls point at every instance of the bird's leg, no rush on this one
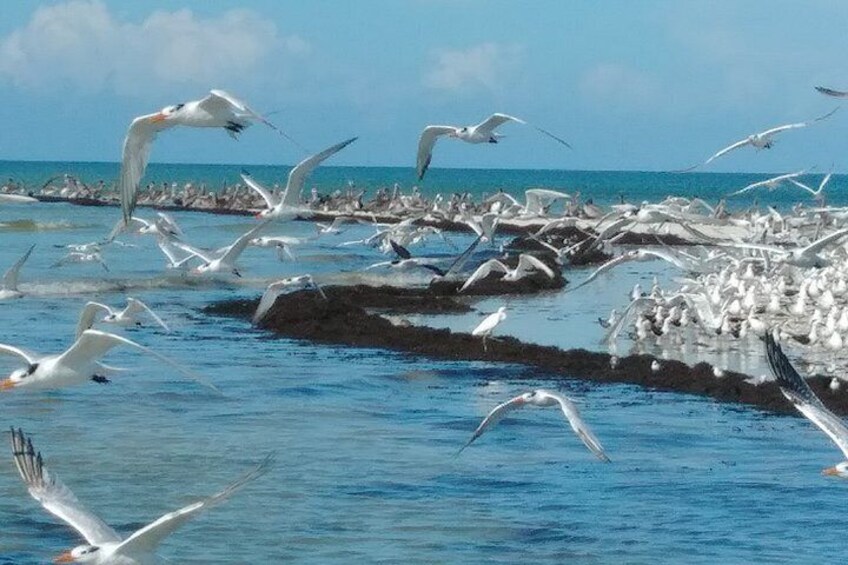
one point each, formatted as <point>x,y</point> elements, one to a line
<point>485,347</point>
<point>100,379</point>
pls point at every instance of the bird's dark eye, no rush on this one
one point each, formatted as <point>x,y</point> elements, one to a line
<point>178,106</point>
<point>93,549</point>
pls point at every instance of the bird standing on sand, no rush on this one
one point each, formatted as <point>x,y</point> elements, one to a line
<point>488,325</point>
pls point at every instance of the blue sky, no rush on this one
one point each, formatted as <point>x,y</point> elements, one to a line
<point>649,85</point>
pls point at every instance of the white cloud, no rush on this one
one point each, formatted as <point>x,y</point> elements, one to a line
<point>485,66</point>
<point>80,43</point>
<point>620,86</point>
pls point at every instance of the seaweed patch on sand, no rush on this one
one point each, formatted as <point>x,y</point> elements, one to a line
<point>345,319</point>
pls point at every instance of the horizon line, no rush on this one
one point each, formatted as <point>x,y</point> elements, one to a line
<point>245,165</point>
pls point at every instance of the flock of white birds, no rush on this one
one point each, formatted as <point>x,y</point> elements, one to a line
<point>747,275</point>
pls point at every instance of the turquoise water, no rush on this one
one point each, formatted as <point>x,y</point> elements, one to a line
<point>603,186</point>
<point>365,439</point>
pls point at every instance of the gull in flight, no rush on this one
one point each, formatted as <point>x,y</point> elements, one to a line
<point>636,255</point>
<point>218,110</point>
<point>225,262</point>
<point>405,260</point>
<point>284,286</point>
<point>761,140</point>
<point>9,283</point>
<point>104,545</point>
<point>172,252</point>
<point>288,206</point>
<point>125,317</point>
<point>79,257</point>
<point>484,132</point>
<point>771,183</point>
<point>799,393</point>
<point>78,364</point>
<point>543,398</point>
<point>282,243</point>
<point>527,265</point>
<point>488,325</point>
<point>817,193</point>
<point>164,225</point>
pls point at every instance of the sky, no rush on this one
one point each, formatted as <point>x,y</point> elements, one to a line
<point>648,85</point>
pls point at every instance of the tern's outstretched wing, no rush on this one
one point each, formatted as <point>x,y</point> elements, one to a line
<point>298,175</point>
<point>135,305</point>
<point>796,389</point>
<point>94,344</point>
<point>726,150</point>
<point>483,271</point>
<point>54,496</point>
<point>140,136</point>
<point>148,538</point>
<point>10,277</point>
<point>495,416</point>
<point>779,129</point>
<point>578,425</point>
<point>89,312</point>
<point>528,263</point>
<point>266,195</point>
<point>426,144</point>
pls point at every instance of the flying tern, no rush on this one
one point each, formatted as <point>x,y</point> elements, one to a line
<point>484,132</point>
<point>543,398</point>
<point>217,110</point>
<point>104,545</point>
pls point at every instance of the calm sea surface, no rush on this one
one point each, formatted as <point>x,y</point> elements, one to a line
<point>365,439</point>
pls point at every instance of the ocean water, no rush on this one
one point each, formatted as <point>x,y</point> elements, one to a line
<point>365,440</point>
<point>603,187</point>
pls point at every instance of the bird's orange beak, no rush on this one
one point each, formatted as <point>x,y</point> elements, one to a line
<point>7,384</point>
<point>65,557</point>
<point>160,117</point>
<point>830,471</point>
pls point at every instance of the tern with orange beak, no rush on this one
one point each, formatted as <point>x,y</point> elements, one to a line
<point>104,545</point>
<point>543,398</point>
<point>218,110</point>
<point>78,364</point>
<point>799,393</point>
